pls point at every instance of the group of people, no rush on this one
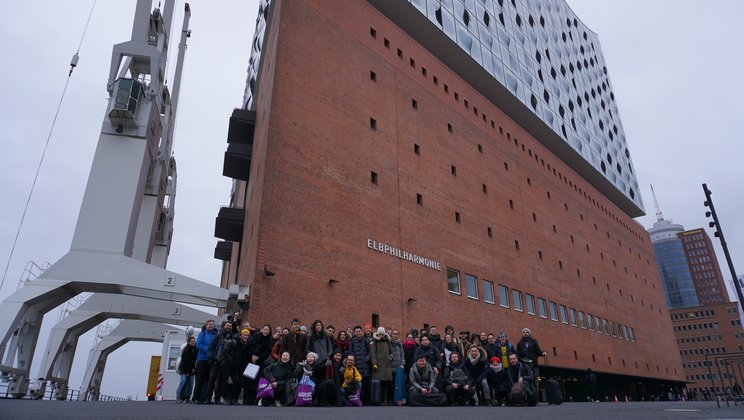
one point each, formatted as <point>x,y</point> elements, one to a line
<point>355,366</point>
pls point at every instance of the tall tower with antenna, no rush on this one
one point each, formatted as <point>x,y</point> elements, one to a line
<point>120,243</point>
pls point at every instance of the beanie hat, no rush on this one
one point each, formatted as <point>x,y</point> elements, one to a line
<point>495,359</point>
<point>245,331</point>
<point>527,329</point>
<point>315,355</point>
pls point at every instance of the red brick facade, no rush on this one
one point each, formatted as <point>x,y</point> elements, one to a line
<point>345,98</point>
<point>704,269</point>
<point>714,331</point>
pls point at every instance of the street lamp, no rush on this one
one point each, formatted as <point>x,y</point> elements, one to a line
<point>719,234</point>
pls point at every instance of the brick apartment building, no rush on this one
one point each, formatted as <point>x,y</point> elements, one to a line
<point>386,172</point>
<point>713,333</point>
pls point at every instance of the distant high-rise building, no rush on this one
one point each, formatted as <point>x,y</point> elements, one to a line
<point>672,262</point>
<point>706,274</point>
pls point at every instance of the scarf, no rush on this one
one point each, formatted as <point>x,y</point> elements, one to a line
<point>474,361</point>
<point>409,344</point>
<point>342,345</point>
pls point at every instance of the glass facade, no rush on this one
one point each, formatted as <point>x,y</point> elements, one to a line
<point>552,63</point>
<point>675,273</point>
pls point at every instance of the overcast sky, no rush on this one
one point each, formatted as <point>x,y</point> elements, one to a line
<point>674,65</point>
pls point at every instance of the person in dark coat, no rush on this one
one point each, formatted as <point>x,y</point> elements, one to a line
<point>591,381</point>
<point>186,369</point>
<point>430,353</point>
<point>458,384</point>
<point>342,341</point>
<point>237,356</point>
<point>311,368</point>
<point>435,339</point>
<point>529,351</point>
<point>476,364</point>
<point>328,391</point>
<point>319,342</point>
<point>490,346</point>
<point>521,372</point>
<point>409,350</point>
<point>381,357</point>
<point>294,343</point>
<point>278,374</point>
<point>219,370</point>
<point>422,385</point>
<point>361,349</point>
<point>498,381</point>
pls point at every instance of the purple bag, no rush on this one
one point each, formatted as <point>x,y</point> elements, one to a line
<point>354,400</point>
<point>305,390</point>
<point>264,389</point>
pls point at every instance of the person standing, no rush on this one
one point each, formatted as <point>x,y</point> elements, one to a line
<point>591,381</point>
<point>361,349</point>
<point>504,349</point>
<point>319,342</point>
<point>186,369</point>
<point>220,370</point>
<point>294,343</point>
<point>528,350</point>
<point>381,356</point>
<point>203,361</point>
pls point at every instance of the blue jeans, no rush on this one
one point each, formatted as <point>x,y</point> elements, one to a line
<point>184,387</point>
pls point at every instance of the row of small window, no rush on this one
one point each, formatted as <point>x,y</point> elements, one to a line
<point>537,307</point>
<point>733,310</point>
<point>699,260</point>
<point>698,339</point>
<point>693,327</point>
<point>707,376</point>
<point>704,364</point>
<point>711,350</point>
<point>435,80</point>
<point>692,315</point>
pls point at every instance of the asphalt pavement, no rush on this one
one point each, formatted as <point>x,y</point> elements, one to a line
<point>28,409</point>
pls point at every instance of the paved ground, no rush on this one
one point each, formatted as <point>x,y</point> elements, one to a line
<point>26,409</point>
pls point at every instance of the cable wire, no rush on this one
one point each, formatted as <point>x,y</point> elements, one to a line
<point>43,153</point>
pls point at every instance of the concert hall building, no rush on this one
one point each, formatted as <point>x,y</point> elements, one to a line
<point>408,163</point>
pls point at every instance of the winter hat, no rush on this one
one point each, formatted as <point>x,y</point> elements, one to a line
<point>380,333</point>
<point>528,331</point>
<point>315,355</point>
<point>245,331</point>
<point>495,359</point>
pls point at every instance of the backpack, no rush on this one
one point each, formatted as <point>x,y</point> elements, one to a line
<point>458,377</point>
<point>518,394</point>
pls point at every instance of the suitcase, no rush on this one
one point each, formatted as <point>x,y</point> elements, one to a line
<point>553,392</point>
<point>375,393</point>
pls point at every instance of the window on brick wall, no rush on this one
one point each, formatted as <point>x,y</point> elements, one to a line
<point>530,303</point>
<point>517,300</point>
<point>553,311</point>
<point>488,295</point>
<point>472,285</point>
<point>503,296</point>
<point>453,281</point>
<point>542,308</point>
